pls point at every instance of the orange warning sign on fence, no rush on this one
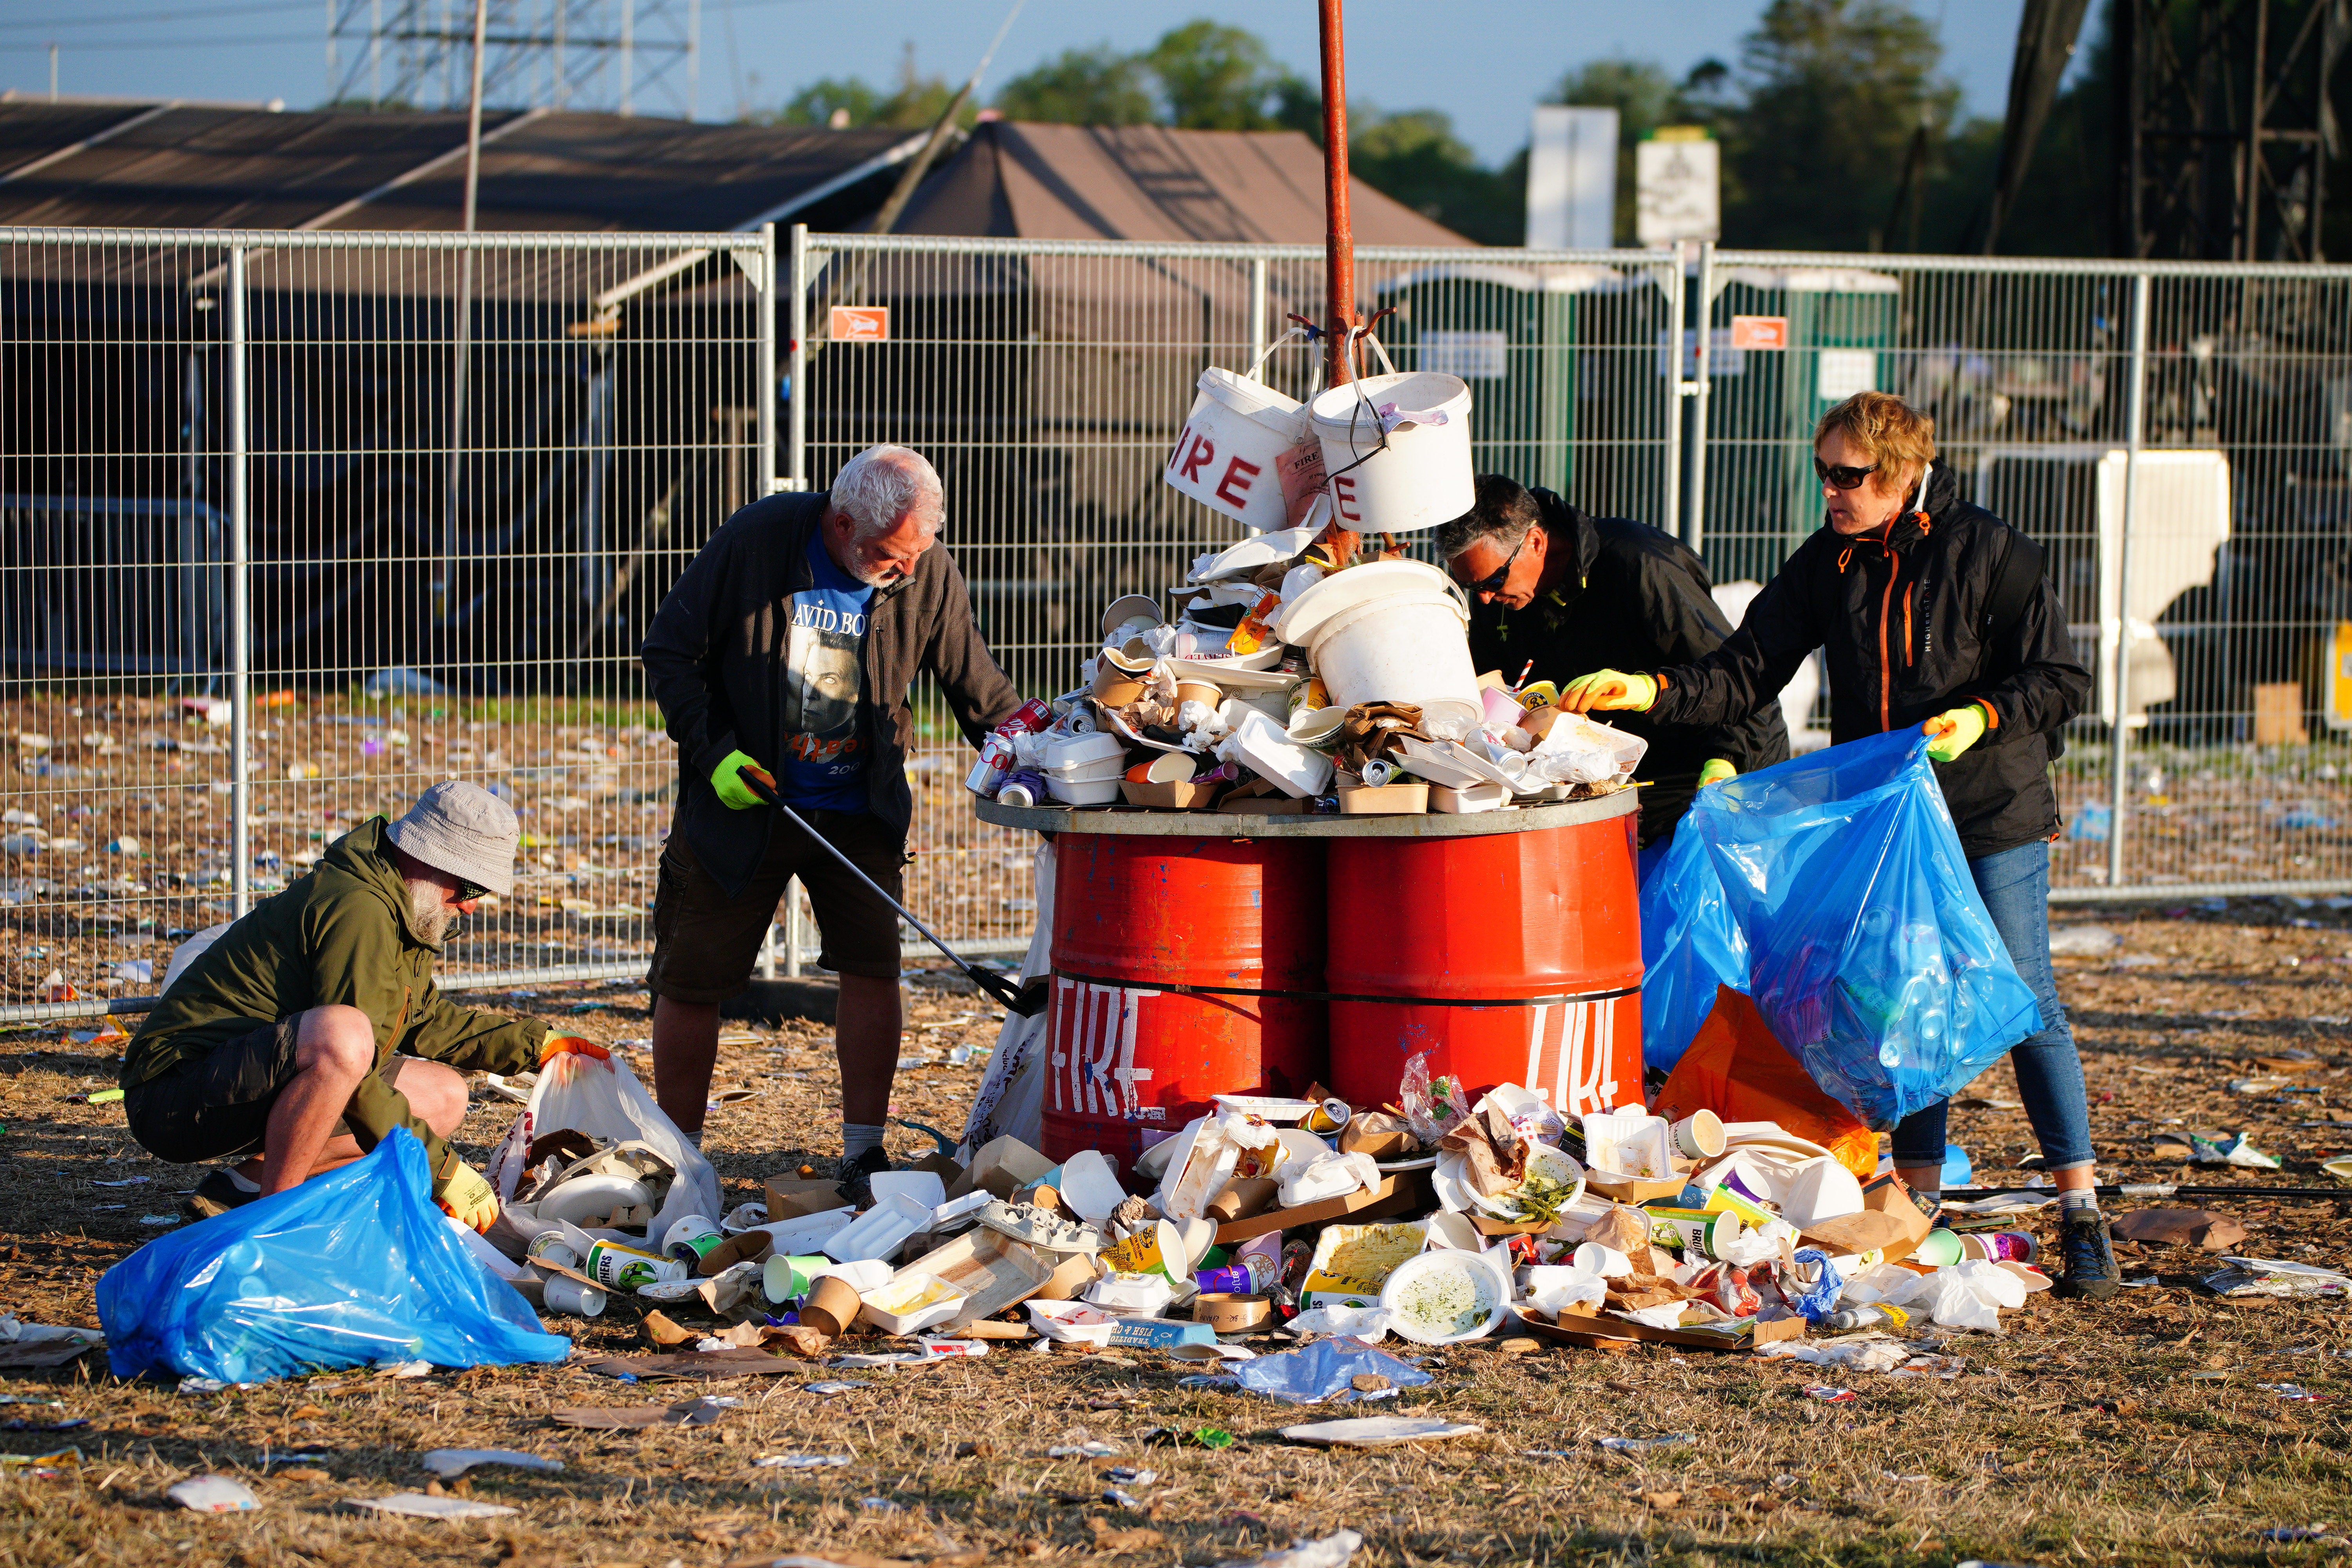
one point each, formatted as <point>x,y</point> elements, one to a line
<point>861,323</point>
<point>1759,331</point>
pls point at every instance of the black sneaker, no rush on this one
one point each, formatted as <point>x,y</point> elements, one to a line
<point>2086,1254</point>
<point>857,1176</point>
<point>215,1194</point>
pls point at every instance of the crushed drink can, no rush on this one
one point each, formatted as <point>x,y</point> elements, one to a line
<point>1031,717</point>
<point>987,776</point>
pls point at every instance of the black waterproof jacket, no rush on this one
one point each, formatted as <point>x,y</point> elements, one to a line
<point>1637,600</point>
<point>1900,615</point>
<point>716,658</point>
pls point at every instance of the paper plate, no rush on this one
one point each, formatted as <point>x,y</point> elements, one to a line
<point>1445,1297</point>
<point>1426,1162</point>
<point>1235,677</point>
<point>1377,1431</point>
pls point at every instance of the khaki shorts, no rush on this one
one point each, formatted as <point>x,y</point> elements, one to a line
<point>705,942</point>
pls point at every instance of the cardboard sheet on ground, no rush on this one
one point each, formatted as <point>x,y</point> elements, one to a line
<point>2179,1228</point>
<point>697,1363</point>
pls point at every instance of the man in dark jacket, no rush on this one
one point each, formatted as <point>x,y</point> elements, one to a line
<point>784,655</point>
<point>1560,593</point>
<point>311,1012</point>
<point>1913,595</point>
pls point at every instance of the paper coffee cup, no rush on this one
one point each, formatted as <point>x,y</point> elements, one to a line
<point>1939,1247</point>
<point>563,1294</point>
<point>785,1278</point>
<point>550,1246</point>
<point>1157,1248</point>
<point>832,1305</point>
<point>1699,1135</point>
<point>691,1238</point>
<point>1605,1261</point>
<point>626,1268</point>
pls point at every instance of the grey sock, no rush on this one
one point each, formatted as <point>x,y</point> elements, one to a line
<point>244,1182</point>
<point>695,1138</point>
<point>2069,1202</point>
<point>856,1137</point>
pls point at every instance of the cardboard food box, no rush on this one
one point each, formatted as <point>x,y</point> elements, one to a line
<point>1390,799</point>
<point>1168,797</point>
<point>790,1198</point>
<point>993,1270</point>
<point>1353,1262</point>
<point>1002,1167</point>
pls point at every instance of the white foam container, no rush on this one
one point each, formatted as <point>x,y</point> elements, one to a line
<point>879,1232</point>
<point>1422,477</point>
<point>1084,791</point>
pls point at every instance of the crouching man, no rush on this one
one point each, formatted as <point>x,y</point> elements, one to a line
<point>312,1027</point>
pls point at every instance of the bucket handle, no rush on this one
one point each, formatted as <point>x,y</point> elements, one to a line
<point>1363,402</point>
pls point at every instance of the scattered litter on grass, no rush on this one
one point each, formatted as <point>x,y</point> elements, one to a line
<point>421,1506</point>
<point>2291,1391</point>
<point>2275,1276</point>
<point>451,1463</point>
<point>1378,1431</point>
<point>1828,1396</point>
<point>213,1494</point>
<point>832,1387</point>
<point>1643,1444</point>
<point>1324,1552</point>
<point>801,1461</point>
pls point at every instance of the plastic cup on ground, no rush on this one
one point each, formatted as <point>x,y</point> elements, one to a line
<point>563,1294</point>
<point>1939,1248</point>
<point>1606,1261</point>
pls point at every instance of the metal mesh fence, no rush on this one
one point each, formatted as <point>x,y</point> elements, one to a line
<point>292,526</point>
<point>2178,437</point>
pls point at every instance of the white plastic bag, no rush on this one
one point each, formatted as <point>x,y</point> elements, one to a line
<point>601,1097</point>
<point>1011,1097</point>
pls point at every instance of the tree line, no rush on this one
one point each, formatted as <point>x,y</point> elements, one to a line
<point>1839,127</point>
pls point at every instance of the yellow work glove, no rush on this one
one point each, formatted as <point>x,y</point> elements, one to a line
<point>556,1046</point>
<point>1954,730</point>
<point>1715,770</point>
<point>465,1194</point>
<point>1608,688</point>
<point>727,780</point>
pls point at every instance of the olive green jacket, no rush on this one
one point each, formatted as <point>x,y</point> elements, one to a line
<point>340,934</point>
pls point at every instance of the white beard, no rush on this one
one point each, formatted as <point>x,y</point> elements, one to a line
<point>427,916</point>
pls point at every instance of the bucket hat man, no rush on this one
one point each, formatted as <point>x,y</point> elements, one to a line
<point>312,1027</point>
<point>784,658</point>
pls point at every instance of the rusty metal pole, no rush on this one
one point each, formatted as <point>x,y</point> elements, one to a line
<point>1339,239</point>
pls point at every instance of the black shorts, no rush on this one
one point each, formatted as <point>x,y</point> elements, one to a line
<point>706,942</point>
<point>216,1106</point>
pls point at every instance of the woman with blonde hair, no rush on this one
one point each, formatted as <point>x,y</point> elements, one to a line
<point>1933,613</point>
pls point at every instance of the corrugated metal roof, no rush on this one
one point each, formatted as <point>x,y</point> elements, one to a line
<point>206,167</point>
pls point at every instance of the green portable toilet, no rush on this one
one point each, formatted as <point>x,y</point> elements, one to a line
<point>1761,496</point>
<point>1512,332</point>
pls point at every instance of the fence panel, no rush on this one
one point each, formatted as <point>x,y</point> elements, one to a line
<point>293,524</point>
<point>296,524</point>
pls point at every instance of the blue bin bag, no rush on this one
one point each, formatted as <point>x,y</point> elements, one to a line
<point>1690,945</point>
<point>1869,952</point>
<point>351,1268</point>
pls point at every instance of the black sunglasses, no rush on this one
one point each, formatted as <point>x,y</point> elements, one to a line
<point>467,892</point>
<point>1843,477</point>
<point>1492,583</point>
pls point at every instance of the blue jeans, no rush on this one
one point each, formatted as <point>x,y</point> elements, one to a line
<point>2015,886</point>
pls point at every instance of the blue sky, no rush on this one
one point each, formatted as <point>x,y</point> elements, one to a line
<point>1484,62</point>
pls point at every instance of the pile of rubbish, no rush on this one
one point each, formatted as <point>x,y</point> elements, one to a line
<point>1432,1219</point>
<point>1313,667</point>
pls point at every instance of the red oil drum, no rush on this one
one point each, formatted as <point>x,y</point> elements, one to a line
<point>1137,914</point>
<point>1527,947</point>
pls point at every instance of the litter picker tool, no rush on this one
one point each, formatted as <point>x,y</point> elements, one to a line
<point>1026,1000</point>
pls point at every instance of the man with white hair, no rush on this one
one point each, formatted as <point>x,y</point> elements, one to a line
<point>293,1042</point>
<point>784,655</point>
